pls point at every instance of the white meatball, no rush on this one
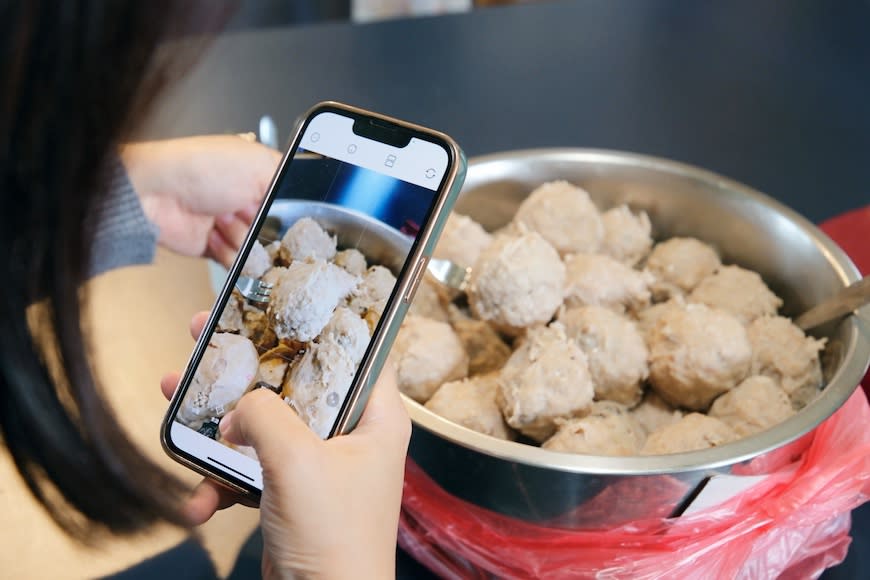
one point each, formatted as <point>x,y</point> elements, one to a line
<point>648,317</point>
<point>564,215</point>
<point>306,239</point>
<point>427,354</point>
<point>754,405</point>
<point>471,403</point>
<point>428,302</point>
<point>225,372</point>
<point>615,349</point>
<point>517,282</point>
<point>627,236</point>
<point>693,432</point>
<point>741,292</point>
<point>486,350</point>
<point>257,262</point>
<point>654,413</point>
<point>319,383</point>
<point>304,296</point>
<point>781,351</point>
<point>679,264</point>
<point>374,291</point>
<point>597,280</point>
<point>696,354</point>
<point>351,260</point>
<point>349,331</point>
<point>608,429</point>
<point>462,240</point>
<point>546,378</point>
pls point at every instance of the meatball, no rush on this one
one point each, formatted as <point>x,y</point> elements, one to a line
<point>517,282</point>
<point>564,215</point>
<point>597,280</point>
<point>231,316</point>
<point>654,413</point>
<point>693,432</point>
<point>462,240</point>
<point>427,302</point>
<point>608,429</point>
<point>696,354</point>
<point>486,350</point>
<point>741,292</point>
<point>318,384</point>
<point>471,403</point>
<point>427,354</point>
<point>306,239</point>
<point>679,264</point>
<point>304,297</point>
<point>349,331</point>
<point>257,262</point>
<point>627,236</point>
<point>781,351</point>
<point>225,372</point>
<point>546,378</point>
<point>351,260</point>
<point>615,349</point>
<point>374,291</point>
<point>754,405</point>
<point>648,317</point>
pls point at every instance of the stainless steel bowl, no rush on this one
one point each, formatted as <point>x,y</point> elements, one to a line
<point>796,259</point>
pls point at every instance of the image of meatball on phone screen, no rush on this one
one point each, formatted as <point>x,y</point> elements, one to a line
<point>339,226</point>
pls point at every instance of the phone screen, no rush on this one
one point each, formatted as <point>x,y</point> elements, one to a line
<point>335,235</point>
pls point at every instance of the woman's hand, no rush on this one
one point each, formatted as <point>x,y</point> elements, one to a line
<point>329,508</point>
<point>202,192</point>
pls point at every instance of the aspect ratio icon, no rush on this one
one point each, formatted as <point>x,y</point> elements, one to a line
<point>390,161</point>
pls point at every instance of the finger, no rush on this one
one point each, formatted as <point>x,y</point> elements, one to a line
<point>233,229</point>
<point>220,250</point>
<point>197,323</point>
<point>168,384</point>
<point>248,214</point>
<point>264,421</point>
<point>385,417</point>
<point>206,499</point>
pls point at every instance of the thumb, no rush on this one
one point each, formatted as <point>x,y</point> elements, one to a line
<point>264,421</point>
<point>385,417</point>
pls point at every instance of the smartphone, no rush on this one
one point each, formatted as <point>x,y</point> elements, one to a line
<point>321,284</point>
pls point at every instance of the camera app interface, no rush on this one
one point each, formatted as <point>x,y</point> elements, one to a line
<point>315,283</point>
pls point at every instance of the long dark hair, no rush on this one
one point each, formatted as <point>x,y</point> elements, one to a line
<point>76,75</point>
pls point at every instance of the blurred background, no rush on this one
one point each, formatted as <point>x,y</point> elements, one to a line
<point>268,13</point>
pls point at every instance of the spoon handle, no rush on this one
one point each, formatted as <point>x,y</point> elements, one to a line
<point>847,300</point>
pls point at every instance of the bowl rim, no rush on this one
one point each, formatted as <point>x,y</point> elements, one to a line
<point>844,381</point>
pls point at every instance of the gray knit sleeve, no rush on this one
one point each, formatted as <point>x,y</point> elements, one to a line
<point>123,235</point>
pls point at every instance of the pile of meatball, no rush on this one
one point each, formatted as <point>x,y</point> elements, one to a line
<point>580,334</point>
<point>305,344</point>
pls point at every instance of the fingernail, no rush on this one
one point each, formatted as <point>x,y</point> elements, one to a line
<point>226,423</point>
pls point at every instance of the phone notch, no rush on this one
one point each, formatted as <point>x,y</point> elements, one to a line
<point>382,131</point>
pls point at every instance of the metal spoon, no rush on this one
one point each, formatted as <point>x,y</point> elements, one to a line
<point>840,304</point>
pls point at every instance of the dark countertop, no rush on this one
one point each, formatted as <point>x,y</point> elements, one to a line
<point>776,95</point>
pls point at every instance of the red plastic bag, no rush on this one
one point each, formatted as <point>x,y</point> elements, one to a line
<point>795,523</point>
